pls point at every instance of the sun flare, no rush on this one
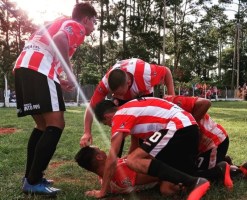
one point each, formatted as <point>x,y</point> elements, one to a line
<point>45,10</point>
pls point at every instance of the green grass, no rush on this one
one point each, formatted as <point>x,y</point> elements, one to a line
<point>74,181</point>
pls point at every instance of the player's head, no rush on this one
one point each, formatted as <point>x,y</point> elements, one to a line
<point>104,111</point>
<point>90,158</point>
<point>118,83</point>
<point>85,14</point>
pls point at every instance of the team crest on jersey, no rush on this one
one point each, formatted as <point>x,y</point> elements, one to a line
<point>122,125</point>
<point>154,73</point>
<point>126,182</point>
<point>69,29</point>
<point>100,89</point>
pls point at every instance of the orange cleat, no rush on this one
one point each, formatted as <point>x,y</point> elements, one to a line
<point>201,187</point>
<point>226,172</point>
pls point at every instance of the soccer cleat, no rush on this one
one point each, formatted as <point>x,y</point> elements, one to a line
<point>39,189</point>
<point>243,168</point>
<point>225,169</point>
<point>199,190</point>
<point>235,172</point>
<point>228,159</point>
<point>48,182</point>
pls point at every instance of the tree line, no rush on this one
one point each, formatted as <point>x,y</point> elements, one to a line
<point>196,39</point>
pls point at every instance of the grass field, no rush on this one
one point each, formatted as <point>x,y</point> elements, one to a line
<point>74,181</point>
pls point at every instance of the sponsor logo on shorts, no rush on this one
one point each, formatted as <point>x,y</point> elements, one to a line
<point>146,143</point>
<point>29,106</point>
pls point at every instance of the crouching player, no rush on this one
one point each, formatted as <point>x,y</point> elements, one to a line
<point>124,180</point>
<point>213,144</point>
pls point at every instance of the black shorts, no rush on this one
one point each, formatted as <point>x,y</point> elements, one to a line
<point>177,149</point>
<point>36,93</point>
<point>210,158</point>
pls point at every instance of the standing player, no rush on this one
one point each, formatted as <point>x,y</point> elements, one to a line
<point>39,79</point>
<point>170,143</point>
<point>126,80</point>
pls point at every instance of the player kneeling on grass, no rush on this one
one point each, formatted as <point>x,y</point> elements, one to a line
<point>124,180</point>
<point>213,143</point>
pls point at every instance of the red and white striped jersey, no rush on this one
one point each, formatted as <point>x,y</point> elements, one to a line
<point>212,133</point>
<point>145,77</point>
<point>38,53</point>
<point>124,180</point>
<point>143,117</point>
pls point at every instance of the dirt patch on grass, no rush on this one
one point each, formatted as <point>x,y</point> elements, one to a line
<point>54,165</point>
<point>5,131</point>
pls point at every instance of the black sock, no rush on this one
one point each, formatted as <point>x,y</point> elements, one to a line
<point>44,152</point>
<point>166,173</point>
<point>32,142</point>
<point>213,174</point>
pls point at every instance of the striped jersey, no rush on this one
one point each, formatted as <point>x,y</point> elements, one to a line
<point>145,77</point>
<point>212,133</point>
<point>124,180</point>
<point>142,117</point>
<point>39,51</point>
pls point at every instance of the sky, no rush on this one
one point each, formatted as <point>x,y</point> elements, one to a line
<point>45,10</point>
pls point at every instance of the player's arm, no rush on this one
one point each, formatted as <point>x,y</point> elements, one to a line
<point>61,48</point>
<point>134,144</point>
<point>110,166</point>
<point>99,95</point>
<point>168,81</point>
<point>200,108</point>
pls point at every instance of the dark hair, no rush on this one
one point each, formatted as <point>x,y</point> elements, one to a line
<point>103,107</point>
<point>117,78</point>
<point>82,10</point>
<point>86,158</point>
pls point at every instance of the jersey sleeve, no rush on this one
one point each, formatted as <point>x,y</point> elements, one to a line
<point>157,74</point>
<point>122,123</point>
<point>186,103</point>
<point>75,32</point>
<point>99,94</point>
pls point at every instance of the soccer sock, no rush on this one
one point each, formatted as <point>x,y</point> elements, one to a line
<point>32,142</point>
<point>212,174</point>
<point>167,173</point>
<point>43,153</point>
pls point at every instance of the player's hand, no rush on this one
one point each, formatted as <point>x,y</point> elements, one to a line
<point>86,140</point>
<point>95,193</point>
<point>67,86</point>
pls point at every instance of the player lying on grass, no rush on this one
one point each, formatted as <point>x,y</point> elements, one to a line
<point>124,180</point>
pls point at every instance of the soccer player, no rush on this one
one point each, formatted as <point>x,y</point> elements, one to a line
<point>170,143</point>
<point>214,140</point>
<point>126,80</point>
<point>40,72</point>
<point>124,180</point>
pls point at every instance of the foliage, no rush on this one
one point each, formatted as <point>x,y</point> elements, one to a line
<point>15,28</point>
<point>199,41</point>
